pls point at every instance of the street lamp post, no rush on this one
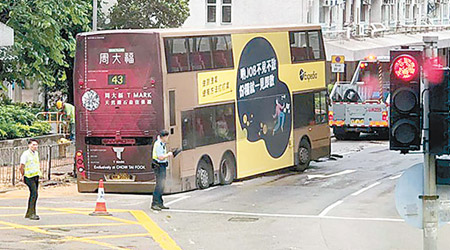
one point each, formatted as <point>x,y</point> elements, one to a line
<point>94,16</point>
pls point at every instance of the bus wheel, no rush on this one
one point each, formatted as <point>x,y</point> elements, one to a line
<point>203,175</point>
<point>227,169</point>
<point>304,155</point>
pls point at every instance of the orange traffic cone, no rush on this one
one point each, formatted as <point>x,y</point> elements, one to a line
<point>100,207</point>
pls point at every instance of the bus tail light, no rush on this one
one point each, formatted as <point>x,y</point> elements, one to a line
<point>384,115</point>
<point>79,163</point>
<point>330,115</point>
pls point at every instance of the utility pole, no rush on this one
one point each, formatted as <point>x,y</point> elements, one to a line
<point>94,16</point>
<point>429,198</point>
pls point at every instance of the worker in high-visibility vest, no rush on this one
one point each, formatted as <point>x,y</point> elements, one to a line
<point>159,165</point>
<point>69,110</point>
<point>30,171</point>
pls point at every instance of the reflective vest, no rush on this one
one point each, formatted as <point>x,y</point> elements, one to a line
<point>161,147</point>
<point>32,165</point>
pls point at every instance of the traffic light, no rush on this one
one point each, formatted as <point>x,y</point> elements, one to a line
<point>439,114</point>
<point>405,127</point>
<point>442,171</point>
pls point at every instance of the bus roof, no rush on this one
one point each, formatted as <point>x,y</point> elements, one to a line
<point>207,31</point>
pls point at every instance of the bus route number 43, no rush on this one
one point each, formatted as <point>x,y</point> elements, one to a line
<point>116,79</point>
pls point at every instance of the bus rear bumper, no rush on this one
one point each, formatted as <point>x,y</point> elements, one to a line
<point>116,186</point>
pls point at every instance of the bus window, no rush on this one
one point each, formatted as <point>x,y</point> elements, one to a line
<point>200,53</point>
<point>187,130</point>
<point>299,46</point>
<point>225,122</point>
<point>176,54</point>
<point>222,52</point>
<point>315,45</point>
<point>214,124</point>
<point>320,105</point>
<point>205,126</point>
<point>304,113</point>
<point>306,46</point>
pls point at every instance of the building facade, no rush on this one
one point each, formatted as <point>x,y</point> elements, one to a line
<point>353,28</point>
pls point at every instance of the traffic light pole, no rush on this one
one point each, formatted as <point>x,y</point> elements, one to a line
<point>429,198</point>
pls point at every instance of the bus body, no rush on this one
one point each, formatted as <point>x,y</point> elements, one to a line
<point>238,102</point>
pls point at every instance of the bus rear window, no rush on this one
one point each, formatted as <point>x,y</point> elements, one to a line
<point>198,53</point>
<point>306,46</point>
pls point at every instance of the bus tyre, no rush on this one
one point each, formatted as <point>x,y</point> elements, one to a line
<point>203,175</point>
<point>304,155</point>
<point>227,169</point>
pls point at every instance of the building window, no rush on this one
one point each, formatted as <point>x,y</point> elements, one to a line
<point>211,11</point>
<point>226,11</point>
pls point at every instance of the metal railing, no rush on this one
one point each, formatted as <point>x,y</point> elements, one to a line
<point>56,120</point>
<point>54,157</point>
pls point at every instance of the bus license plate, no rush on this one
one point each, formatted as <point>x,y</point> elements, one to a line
<point>121,177</point>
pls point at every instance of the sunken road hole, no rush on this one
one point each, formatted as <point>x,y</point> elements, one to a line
<point>243,219</point>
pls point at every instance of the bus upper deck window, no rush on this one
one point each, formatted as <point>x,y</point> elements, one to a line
<point>176,51</point>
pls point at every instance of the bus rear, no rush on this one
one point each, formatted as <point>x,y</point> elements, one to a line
<point>119,109</point>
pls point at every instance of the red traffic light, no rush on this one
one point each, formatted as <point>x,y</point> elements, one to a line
<point>405,67</point>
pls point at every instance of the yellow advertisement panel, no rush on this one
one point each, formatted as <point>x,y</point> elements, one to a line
<point>304,76</point>
<point>217,86</point>
<point>261,84</point>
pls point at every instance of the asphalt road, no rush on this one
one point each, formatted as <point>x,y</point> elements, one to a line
<point>346,203</point>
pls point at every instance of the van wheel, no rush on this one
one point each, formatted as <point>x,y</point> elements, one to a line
<point>203,175</point>
<point>304,155</point>
<point>227,169</point>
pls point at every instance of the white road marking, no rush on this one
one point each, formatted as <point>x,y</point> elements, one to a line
<point>365,189</point>
<point>312,176</point>
<point>282,215</point>
<point>328,209</point>
<point>395,177</point>
<point>209,189</point>
<point>177,200</point>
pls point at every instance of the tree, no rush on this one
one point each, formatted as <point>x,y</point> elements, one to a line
<point>144,14</point>
<point>44,42</point>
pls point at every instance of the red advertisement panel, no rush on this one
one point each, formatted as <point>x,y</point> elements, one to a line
<point>118,101</point>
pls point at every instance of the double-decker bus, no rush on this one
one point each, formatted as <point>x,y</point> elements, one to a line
<point>238,102</point>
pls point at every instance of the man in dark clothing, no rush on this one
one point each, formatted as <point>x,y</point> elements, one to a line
<point>159,164</point>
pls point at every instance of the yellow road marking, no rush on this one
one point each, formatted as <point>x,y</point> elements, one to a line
<point>21,215</point>
<point>75,209</point>
<point>155,231</point>
<point>83,225</point>
<point>70,211</point>
<point>5,228</point>
<point>38,230</point>
<point>91,238</point>
<point>118,236</point>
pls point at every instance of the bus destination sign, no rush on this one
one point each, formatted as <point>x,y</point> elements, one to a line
<point>116,79</point>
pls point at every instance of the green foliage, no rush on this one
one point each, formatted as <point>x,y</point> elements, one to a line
<point>18,120</point>
<point>144,14</point>
<point>44,38</point>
